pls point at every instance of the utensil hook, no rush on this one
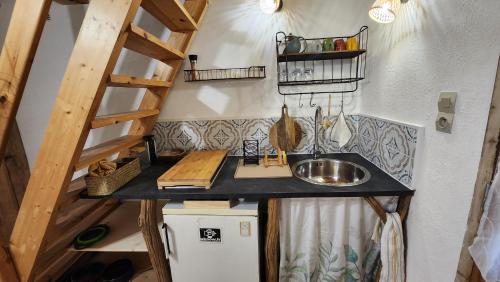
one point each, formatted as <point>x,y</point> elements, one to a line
<point>311,104</point>
<point>342,103</point>
<point>300,101</point>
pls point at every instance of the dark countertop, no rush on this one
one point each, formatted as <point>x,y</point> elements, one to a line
<point>226,187</point>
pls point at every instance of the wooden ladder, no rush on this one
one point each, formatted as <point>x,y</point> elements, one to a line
<point>40,238</point>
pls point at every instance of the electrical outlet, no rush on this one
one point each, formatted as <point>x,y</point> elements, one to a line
<point>446,111</point>
<point>245,228</point>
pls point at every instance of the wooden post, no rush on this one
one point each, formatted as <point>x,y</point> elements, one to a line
<point>148,223</point>
<point>7,270</point>
<point>485,173</point>
<point>272,240</point>
<point>402,209</point>
<point>101,38</point>
<point>379,210</point>
<point>21,41</point>
<point>14,175</point>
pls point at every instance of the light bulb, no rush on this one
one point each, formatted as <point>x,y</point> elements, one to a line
<point>270,6</point>
<point>384,11</point>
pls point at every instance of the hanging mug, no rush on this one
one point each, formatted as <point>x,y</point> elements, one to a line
<point>315,46</point>
<point>352,44</point>
<point>339,45</point>
<point>327,44</point>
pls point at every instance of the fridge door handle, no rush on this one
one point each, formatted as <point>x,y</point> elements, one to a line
<point>167,244</point>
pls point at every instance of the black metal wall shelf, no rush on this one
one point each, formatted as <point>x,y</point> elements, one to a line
<point>318,69</point>
<point>330,55</point>
<point>318,82</point>
<point>254,72</point>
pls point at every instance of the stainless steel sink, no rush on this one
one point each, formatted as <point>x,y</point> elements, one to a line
<point>331,172</point>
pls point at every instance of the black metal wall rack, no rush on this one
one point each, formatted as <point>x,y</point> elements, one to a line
<point>321,71</point>
<point>253,72</point>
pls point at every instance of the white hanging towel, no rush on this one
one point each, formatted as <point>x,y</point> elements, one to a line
<point>392,250</point>
<point>340,131</point>
<point>485,250</point>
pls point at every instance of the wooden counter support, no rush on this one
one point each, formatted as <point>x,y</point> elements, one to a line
<point>272,240</point>
<point>379,210</point>
<point>148,224</point>
<point>402,209</point>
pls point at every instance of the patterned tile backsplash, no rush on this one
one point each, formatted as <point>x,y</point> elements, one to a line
<point>389,145</point>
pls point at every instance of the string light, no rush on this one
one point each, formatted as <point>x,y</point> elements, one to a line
<point>270,6</point>
<point>384,11</point>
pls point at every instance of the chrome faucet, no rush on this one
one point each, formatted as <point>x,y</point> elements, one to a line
<point>317,118</point>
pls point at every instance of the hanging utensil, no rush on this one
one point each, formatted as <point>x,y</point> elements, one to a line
<point>341,131</point>
<point>326,119</point>
<point>285,134</point>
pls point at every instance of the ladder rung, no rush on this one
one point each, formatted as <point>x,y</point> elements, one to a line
<point>102,121</point>
<point>107,149</point>
<point>72,2</point>
<point>145,43</point>
<point>171,13</point>
<point>136,82</point>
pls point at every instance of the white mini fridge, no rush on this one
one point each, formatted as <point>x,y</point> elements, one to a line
<point>212,245</point>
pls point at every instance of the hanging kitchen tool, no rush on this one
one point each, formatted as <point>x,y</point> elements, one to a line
<point>327,123</point>
<point>285,134</point>
<point>340,131</point>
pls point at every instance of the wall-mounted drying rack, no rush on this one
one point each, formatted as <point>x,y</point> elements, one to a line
<point>322,66</point>
<point>254,72</point>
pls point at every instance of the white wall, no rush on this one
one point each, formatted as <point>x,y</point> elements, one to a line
<point>6,7</point>
<point>448,46</point>
<point>235,33</point>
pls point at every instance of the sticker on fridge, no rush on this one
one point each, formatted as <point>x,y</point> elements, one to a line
<point>210,235</point>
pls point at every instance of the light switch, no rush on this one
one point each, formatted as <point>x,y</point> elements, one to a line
<point>245,228</point>
<point>446,114</point>
<point>446,103</point>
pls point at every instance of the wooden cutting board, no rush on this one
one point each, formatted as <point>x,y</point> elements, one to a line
<point>196,170</point>
<point>286,133</point>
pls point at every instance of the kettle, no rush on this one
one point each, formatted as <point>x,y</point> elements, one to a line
<point>294,44</point>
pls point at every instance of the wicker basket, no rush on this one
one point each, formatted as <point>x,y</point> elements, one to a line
<point>128,168</point>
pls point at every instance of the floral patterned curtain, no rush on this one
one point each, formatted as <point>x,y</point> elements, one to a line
<point>327,239</point>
